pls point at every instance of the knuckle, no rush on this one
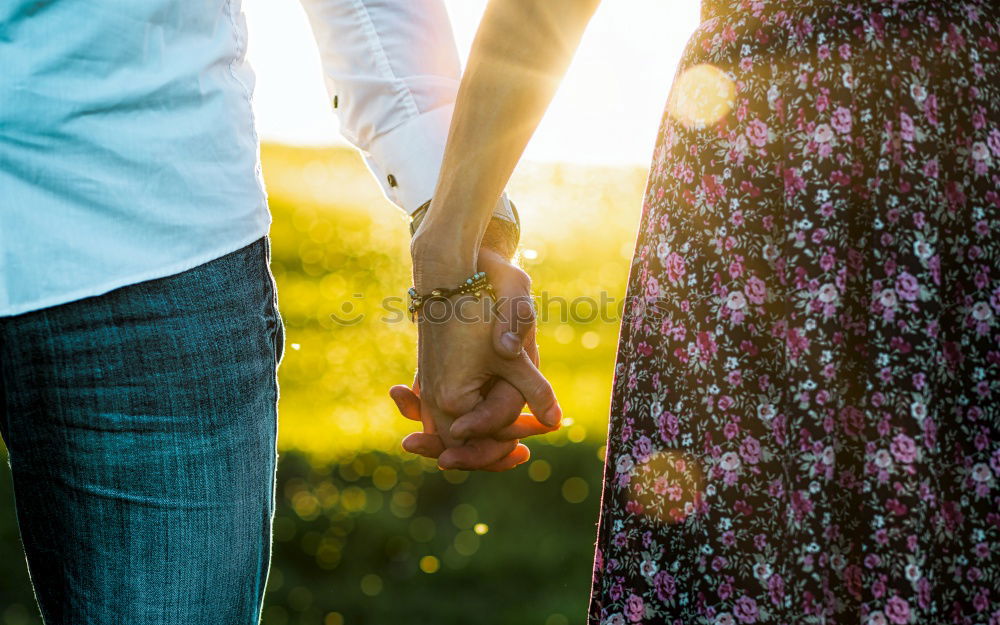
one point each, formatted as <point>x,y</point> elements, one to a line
<point>521,279</point>
<point>543,393</point>
<point>450,400</point>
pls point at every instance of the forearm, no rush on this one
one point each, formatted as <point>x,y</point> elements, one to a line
<point>519,56</point>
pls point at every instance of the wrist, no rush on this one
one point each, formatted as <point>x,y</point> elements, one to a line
<point>440,260</point>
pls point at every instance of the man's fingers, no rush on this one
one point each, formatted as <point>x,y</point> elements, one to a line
<point>535,389</point>
<point>526,425</point>
<point>520,455</point>
<point>427,445</point>
<point>475,454</point>
<point>498,410</point>
<point>406,401</point>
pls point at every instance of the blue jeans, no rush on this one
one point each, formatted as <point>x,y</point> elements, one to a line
<point>141,429</point>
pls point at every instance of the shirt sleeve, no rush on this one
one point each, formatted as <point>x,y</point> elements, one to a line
<point>392,72</point>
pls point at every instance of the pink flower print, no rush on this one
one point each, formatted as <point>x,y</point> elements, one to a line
<point>755,290</point>
<point>907,287</point>
<point>903,448</point>
<point>823,133</point>
<point>750,451</point>
<point>757,133</point>
<point>897,610</point>
<point>665,585</point>
<point>931,109</point>
<point>652,288</point>
<point>634,608</point>
<point>729,461</point>
<point>707,346</point>
<point>674,492</point>
<point>842,119</point>
<point>793,182</point>
<point>736,301</point>
<point>980,152</point>
<point>930,169</point>
<point>675,267</point>
<point>876,618</point>
<point>981,473</point>
<point>906,130</point>
<point>736,268</point>
<point>745,610</point>
<point>845,51</point>
<point>643,449</point>
<point>993,142</point>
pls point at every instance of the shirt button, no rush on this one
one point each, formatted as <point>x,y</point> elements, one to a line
<point>392,180</point>
<point>336,101</point>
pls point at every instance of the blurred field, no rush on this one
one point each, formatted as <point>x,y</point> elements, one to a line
<point>363,533</point>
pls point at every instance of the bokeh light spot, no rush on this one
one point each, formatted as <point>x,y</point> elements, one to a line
<point>590,339</point>
<point>576,433</point>
<point>334,618</point>
<point>702,95</point>
<point>384,477</point>
<point>481,528</point>
<point>557,619</point>
<point>300,598</point>
<point>455,477</point>
<point>305,505</point>
<point>539,470</point>
<point>464,516</point>
<point>564,333</point>
<point>429,564</point>
<point>371,584</point>
<point>575,490</point>
<point>403,503</point>
<point>466,543</point>
<point>353,499</point>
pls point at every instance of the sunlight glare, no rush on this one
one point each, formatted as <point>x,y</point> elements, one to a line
<point>702,96</point>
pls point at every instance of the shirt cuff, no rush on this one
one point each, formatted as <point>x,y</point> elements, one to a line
<point>407,159</point>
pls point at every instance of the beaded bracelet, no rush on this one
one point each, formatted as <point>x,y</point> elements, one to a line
<point>475,286</point>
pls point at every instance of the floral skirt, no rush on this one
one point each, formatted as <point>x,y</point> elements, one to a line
<point>805,425</point>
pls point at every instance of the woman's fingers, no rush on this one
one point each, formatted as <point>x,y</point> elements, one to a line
<point>520,455</point>
<point>535,389</point>
<point>475,454</point>
<point>407,401</point>
<point>427,445</point>
<point>526,425</point>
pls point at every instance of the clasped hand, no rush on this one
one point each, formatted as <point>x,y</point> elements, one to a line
<point>476,369</point>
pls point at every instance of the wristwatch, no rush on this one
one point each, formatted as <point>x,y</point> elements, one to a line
<point>502,233</point>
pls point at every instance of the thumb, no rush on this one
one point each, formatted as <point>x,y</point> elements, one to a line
<point>514,324</point>
<point>537,391</point>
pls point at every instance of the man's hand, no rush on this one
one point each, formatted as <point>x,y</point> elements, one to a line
<point>469,361</point>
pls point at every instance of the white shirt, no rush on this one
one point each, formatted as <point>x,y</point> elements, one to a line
<point>127,142</point>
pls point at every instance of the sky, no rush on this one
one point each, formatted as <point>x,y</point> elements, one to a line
<point>606,111</point>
